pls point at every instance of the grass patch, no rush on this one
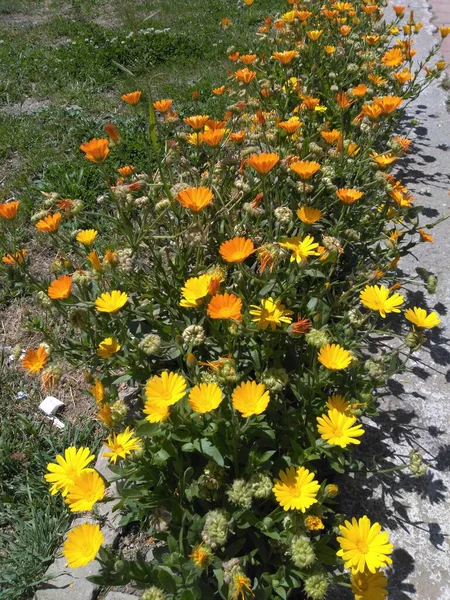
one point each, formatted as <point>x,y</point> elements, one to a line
<point>32,523</point>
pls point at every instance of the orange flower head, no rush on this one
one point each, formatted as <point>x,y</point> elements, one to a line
<point>425,236</point>
<point>332,136</point>
<point>60,288</point>
<point>197,122</point>
<point>213,124</point>
<point>393,58</point>
<point>372,111</point>
<point>8,210</point>
<point>225,306</point>
<point>349,196</point>
<point>212,137</point>
<point>126,170</point>
<point>163,106</point>
<point>248,59</point>
<point>132,97</point>
<point>236,250</point>
<point>309,215</point>
<point>86,236</point>
<point>112,131</point>
<point>383,160</point>
<point>263,162</point>
<point>343,100</point>
<point>309,102</point>
<point>50,223</point>
<point>218,91</point>
<point>377,79</point>
<point>238,137</point>
<point>301,326</point>
<point>245,75</point>
<point>96,150</point>
<point>305,169</point>
<point>403,76</point>
<point>388,104</point>
<point>195,198</point>
<point>16,258</point>
<point>234,56</point>
<point>399,10</point>
<point>360,90</point>
<point>34,360</point>
<point>345,30</point>
<point>291,125</point>
<point>302,15</point>
<point>285,57</point>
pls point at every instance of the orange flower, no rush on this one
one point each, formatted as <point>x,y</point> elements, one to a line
<point>212,137</point>
<point>331,136</point>
<point>388,103</point>
<point>213,124</point>
<point>95,260</point>
<point>238,137</point>
<point>263,162</point>
<point>195,198</point>
<point>399,10</point>
<point>345,30</point>
<point>377,79</point>
<point>236,250</point>
<point>291,125</point>
<point>302,15</point>
<point>50,224</point>
<point>112,131</point>
<point>349,196</point>
<point>132,97</point>
<point>197,122</point>
<point>360,90</point>
<point>302,326</point>
<point>225,306</point>
<point>60,288</point>
<point>17,257</point>
<point>245,75</point>
<point>425,236</point>
<point>305,169</point>
<point>219,90</point>
<point>247,59</point>
<point>285,57</point>
<point>309,102</point>
<point>96,150</point>
<point>403,76</point>
<point>343,100</point>
<point>329,49</point>
<point>8,210</point>
<point>126,170</point>
<point>34,360</point>
<point>163,106</point>
<point>234,56</point>
<point>373,111</point>
<point>393,58</point>
<point>309,215</point>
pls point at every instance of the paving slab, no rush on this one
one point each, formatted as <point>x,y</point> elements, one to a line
<point>119,596</point>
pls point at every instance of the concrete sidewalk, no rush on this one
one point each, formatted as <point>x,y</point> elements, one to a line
<point>441,18</point>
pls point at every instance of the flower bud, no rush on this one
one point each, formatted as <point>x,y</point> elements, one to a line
<point>194,335</point>
<point>317,338</point>
<point>153,593</point>
<point>432,284</point>
<point>78,318</point>
<point>414,339</point>
<point>151,344</point>
<point>215,529</point>
<point>331,490</point>
<point>416,464</point>
<point>316,586</point>
<point>302,552</point>
<point>240,493</point>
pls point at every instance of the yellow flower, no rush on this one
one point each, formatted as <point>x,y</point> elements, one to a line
<point>111,302</point>
<point>250,398</point>
<point>194,290</point>
<point>87,236</point>
<point>122,445</point>
<point>82,544</point>
<point>296,489</point>
<point>271,314</point>
<point>420,318</point>
<point>301,249</point>
<point>364,546</point>
<point>156,412</point>
<point>108,347</point>
<point>98,391</point>
<point>334,357</point>
<point>205,397</point>
<point>338,429</point>
<point>86,489</point>
<point>67,469</point>
<point>369,586</point>
<point>241,586</point>
<point>167,388</point>
<point>339,403</point>
<point>376,297</point>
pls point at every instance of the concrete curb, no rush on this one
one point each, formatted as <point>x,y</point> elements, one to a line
<point>71,584</point>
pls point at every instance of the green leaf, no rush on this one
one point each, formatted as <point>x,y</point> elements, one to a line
<point>208,449</point>
<point>167,582</point>
<point>122,379</point>
<point>187,595</point>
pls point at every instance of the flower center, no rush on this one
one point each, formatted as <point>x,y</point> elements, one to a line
<point>362,547</point>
